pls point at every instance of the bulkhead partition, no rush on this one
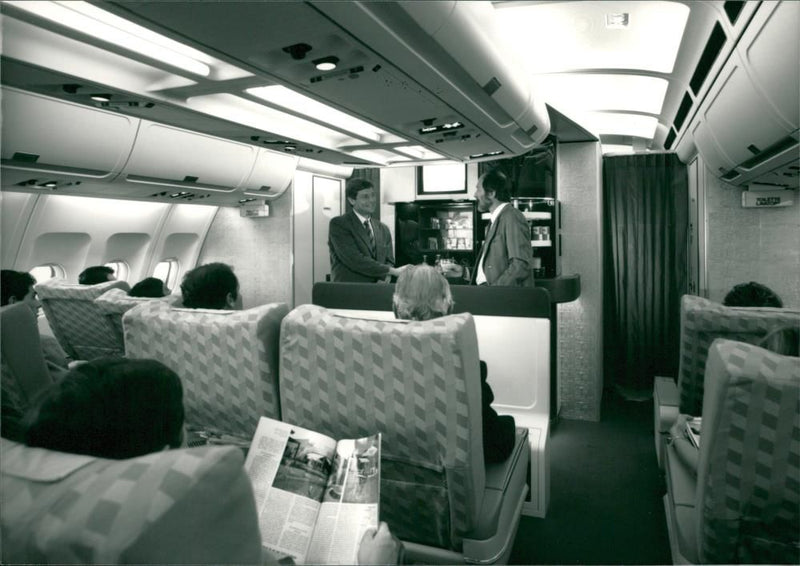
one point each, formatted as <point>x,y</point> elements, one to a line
<point>513,328</point>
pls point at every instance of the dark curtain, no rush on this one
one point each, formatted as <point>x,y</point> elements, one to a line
<point>645,216</point>
<point>372,174</point>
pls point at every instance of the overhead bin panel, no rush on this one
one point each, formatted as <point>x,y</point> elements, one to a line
<point>391,73</point>
<point>45,135</point>
<point>272,174</point>
<point>172,157</point>
<point>746,128</point>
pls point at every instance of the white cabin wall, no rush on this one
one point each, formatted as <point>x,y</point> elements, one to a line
<point>258,249</point>
<point>580,322</point>
<point>76,232</point>
<point>750,244</point>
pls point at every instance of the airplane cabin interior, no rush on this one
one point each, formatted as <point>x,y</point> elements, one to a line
<point>651,154</point>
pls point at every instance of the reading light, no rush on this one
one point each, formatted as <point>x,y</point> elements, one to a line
<point>326,63</point>
<point>102,25</point>
<point>101,97</point>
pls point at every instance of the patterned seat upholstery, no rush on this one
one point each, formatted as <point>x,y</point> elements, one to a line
<point>702,321</point>
<point>742,503</point>
<point>417,383</point>
<point>162,508</point>
<point>77,322</point>
<point>227,360</point>
<point>23,372</point>
<point>116,302</point>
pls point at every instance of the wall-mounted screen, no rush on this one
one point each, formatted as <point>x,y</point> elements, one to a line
<point>439,179</point>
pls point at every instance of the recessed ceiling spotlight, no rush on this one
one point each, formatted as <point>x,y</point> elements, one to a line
<point>326,63</point>
<point>101,97</point>
<point>617,21</point>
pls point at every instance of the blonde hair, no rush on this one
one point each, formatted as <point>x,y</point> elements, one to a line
<point>421,293</point>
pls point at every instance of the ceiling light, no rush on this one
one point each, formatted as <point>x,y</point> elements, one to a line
<point>635,93</point>
<point>326,63</point>
<point>619,124</point>
<point>650,42</point>
<point>93,21</point>
<point>301,104</point>
<point>101,97</point>
<point>617,21</point>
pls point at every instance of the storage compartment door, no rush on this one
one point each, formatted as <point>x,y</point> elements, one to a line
<point>173,157</point>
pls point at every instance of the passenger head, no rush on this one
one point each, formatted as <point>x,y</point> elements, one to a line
<point>149,287</point>
<point>784,340</point>
<point>361,196</point>
<point>96,274</point>
<point>421,293</point>
<point>211,286</point>
<point>109,408</point>
<point>17,287</point>
<point>493,188</point>
<point>752,294</point>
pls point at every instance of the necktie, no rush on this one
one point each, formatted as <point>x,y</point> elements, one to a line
<point>368,228</point>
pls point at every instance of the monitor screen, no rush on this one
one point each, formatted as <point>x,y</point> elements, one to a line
<point>437,179</point>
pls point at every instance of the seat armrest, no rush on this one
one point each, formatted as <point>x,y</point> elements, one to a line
<point>666,400</point>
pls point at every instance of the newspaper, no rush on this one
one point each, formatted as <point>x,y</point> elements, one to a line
<point>315,496</point>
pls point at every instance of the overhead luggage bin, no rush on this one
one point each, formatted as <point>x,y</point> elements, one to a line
<point>45,140</point>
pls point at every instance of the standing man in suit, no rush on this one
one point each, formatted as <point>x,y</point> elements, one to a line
<point>361,247</point>
<point>506,257</point>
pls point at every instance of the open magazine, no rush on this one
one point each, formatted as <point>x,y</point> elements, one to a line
<point>315,496</point>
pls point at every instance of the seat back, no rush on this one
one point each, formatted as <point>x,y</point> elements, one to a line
<point>418,383</point>
<point>77,322</point>
<point>227,360</point>
<point>748,493</point>
<point>702,321</point>
<point>116,302</point>
<point>23,372</point>
<point>162,508</point>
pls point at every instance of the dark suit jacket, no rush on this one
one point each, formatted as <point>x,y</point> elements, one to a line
<point>499,431</point>
<point>508,238</point>
<point>351,260</point>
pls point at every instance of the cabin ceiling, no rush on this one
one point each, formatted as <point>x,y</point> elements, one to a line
<point>623,72</point>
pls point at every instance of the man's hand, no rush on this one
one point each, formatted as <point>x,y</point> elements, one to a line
<point>379,547</point>
<point>396,271</point>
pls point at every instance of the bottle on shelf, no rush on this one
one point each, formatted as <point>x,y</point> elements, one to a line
<point>438,264</point>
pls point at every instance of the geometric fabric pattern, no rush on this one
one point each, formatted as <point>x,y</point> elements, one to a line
<point>164,507</point>
<point>749,464</point>
<point>702,321</point>
<point>227,360</point>
<point>77,322</point>
<point>417,383</point>
<point>116,302</point>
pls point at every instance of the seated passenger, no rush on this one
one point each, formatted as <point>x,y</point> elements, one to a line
<point>752,294</point>
<point>17,287</point>
<point>109,408</point>
<point>422,293</point>
<point>784,341</point>
<point>96,274</point>
<point>211,286</point>
<point>122,408</point>
<point>149,287</point>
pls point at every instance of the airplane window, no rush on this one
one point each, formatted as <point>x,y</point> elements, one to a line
<point>47,271</point>
<point>121,269</point>
<point>167,270</point>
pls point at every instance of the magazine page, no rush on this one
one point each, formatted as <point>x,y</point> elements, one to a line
<point>693,427</point>
<point>288,467</point>
<point>350,504</point>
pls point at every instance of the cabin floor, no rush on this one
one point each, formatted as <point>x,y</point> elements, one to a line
<point>605,493</point>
